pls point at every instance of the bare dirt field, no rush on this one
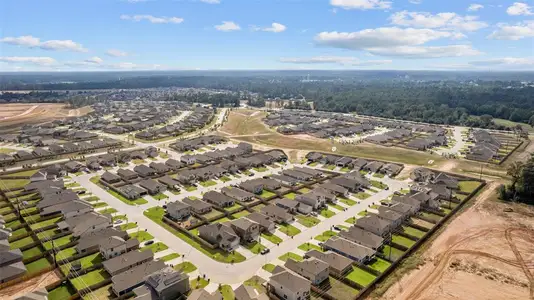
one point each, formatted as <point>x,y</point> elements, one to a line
<point>27,286</point>
<point>484,253</point>
<point>15,115</point>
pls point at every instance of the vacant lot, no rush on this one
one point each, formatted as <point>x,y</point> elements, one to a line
<point>476,255</point>
<point>245,124</point>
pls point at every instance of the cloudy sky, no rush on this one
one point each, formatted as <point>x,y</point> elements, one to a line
<point>69,35</point>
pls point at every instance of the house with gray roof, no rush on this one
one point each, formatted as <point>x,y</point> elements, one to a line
<point>131,191</point>
<point>85,223</point>
<point>11,265</point>
<point>153,187</point>
<point>169,182</point>
<point>144,171</point>
<point>246,292</point>
<point>127,281</point>
<point>247,230</point>
<point>198,206</point>
<point>363,237</point>
<point>374,224</point>
<point>166,283</point>
<point>174,164</point>
<point>127,261</point>
<point>160,168</point>
<point>289,286</point>
<point>238,194</point>
<point>114,246</point>
<point>110,178</point>
<point>90,241</point>
<point>390,215</point>
<point>373,166</point>
<point>339,265</point>
<point>285,180</point>
<point>178,210</point>
<point>218,199</point>
<point>277,214</point>
<point>127,174</point>
<point>68,209</point>
<point>349,249</point>
<point>221,235</point>
<point>315,270</point>
<point>335,189</point>
<point>391,169</point>
<point>297,175</point>
<point>265,223</point>
<point>313,172</point>
<point>252,186</point>
<point>313,199</point>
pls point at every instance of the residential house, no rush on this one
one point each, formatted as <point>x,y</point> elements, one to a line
<point>198,206</point>
<point>126,261</point>
<point>91,240</point>
<point>374,224</point>
<point>85,223</point>
<point>131,191</point>
<point>277,155</point>
<point>339,265</point>
<point>390,169</point>
<point>127,174</point>
<point>144,171</point>
<point>110,178</point>
<point>406,210</point>
<point>363,237</point>
<point>312,199</point>
<point>269,184</point>
<point>178,210</point>
<point>422,175</point>
<point>252,186</point>
<point>415,205</point>
<point>174,164</point>
<point>335,189</point>
<point>289,286</point>
<point>247,230</point>
<point>291,206</point>
<point>202,294</point>
<point>238,194</point>
<point>246,292</point>
<point>359,163</point>
<point>127,281</point>
<point>315,270</point>
<point>68,209</point>
<point>114,246</point>
<point>73,166</point>
<point>188,159</point>
<point>349,249</point>
<point>265,223</point>
<point>11,265</point>
<point>218,199</point>
<point>169,182</point>
<point>229,166</point>
<point>314,156</point>
<point>298,175</point>
<point>40,152</point>
<point>313,172</point>
<point>352,185</point>
<point>446,180</point>
<point>344,162</point>
<point>286,180</point>
<point>277,214</point>
<point>373,166</point>
<point>153,187</point>
<point>392,216</point>
<point>164,284</point>
<point>160,168</point>
<point>221,235</point>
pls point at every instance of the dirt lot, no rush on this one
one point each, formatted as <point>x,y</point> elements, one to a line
<point>484,253</point>
<point>33,284</point>
<point>244,123</point>
<point>15,115</point>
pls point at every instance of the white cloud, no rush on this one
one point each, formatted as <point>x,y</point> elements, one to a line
<point>506,61</point>
<point>513,32</point>
<point>94,60</point>
<point>116,53</point>
<point>415,1</point>
<point>475,7</point>
<point>227,26</point>
<point>446,21</point>
<point>520,9</point>
<point>341,60</point>
<point>54,45</point>
<point>211,1</point>
<point>36,60</point>
<point>382,37</point>
<point>394,41</point>
<point>152,19</point>
<point>361,4</point>
<point>275,27</point>
<point>426,51</point>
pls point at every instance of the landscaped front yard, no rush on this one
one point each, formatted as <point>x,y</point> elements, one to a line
<point>379,185</point>
<point>289,230</point>
<point>325,212</point>
<point>156,247</point>
<point>271,238</point>
<point>308,221</point>
<point>160,196</point>
<point>169,257</point>
<point>141,236</point>
<point>128,226</point>
<point>310,246</point>
<point>255,247</point>
<point>323,237</point>
<point>185,267</point>
<point>346,201</point>
<point>207,183</point>
<point>266,194</point>
<point>362,195</point>
<point>291,255</point>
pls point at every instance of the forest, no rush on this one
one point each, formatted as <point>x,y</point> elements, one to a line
<point>457,102</point>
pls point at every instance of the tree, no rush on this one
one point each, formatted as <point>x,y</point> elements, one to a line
<point>515,171</point>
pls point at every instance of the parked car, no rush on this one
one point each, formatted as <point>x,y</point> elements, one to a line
<point>165,206</point>
<point>313,214</point>
<point>118,221</point>
<point>149,243</point>
<point>337,228</point>
<point>265,251</point>
<point>250,174</point>
<point>265,177</point>
<point>81,192</point>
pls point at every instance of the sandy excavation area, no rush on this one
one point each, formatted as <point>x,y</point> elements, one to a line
<point>27,286</point>
<point>14,115</point>
<point>485,253</point>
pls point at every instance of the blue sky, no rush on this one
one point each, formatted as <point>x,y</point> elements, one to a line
<point>70,35</point>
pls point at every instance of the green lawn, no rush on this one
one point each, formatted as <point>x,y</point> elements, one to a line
<point>138,161</point>
<point>397,239</point>
<point>186,267</point>
<point>227,292</point>
<point>255,247</point>
<point>329,167</point>
<point>34,251</point>
<point>47,234</point>
<point>336,206</point>
<point>99,204</point>
<point>190,188</point>
<point>413,232</point>
<point>91,199</point>
<point>308,221</point>
<point>351,220</point>
<point>394,252</point>
<point>66,253</point>
<point>199,283</point>
<point>431,216</point>
<point>23,173</point>
<point>379,185</point>
<point>233,208</point>
<point>240,214</point>
<point>289,230</point>
<point>379,175</point>
<point>10,184</point>
<point>304,190</point>
<point>57,242</point>
<point>89,279</point>
<point>156,213</point>
<point>22,242</point>
<point>156,247</point>
<point>468,186</point>
<point>225,179</point>
<point>72,184</point>
<point>346,201</point>
<point>160,196</point>
<point>222,220</point>
<point>271,238</point>
<point>141,236</point>
<point>345,169</point>
<point>362,195</point>
<point>290,196</point>
<point>323,237</point>
<point>325,212</point>
<point>62,292</point>
<point>207,183</point>
<point>138,201</point>
<point>360,276</point>
<point>169,257</point>
<point>310,246</point>
<point>291,255</point>
<point>379,264</point>
<point>269,267</point>
<point>313,164</point>
<point>266,194</point>
<point>45,223</point>
<point>109,210</point>
<point>261,169</point>
<point>37,265</point>
<point>127,226</point>
<point>374,206</point>
<point>19,232</point>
